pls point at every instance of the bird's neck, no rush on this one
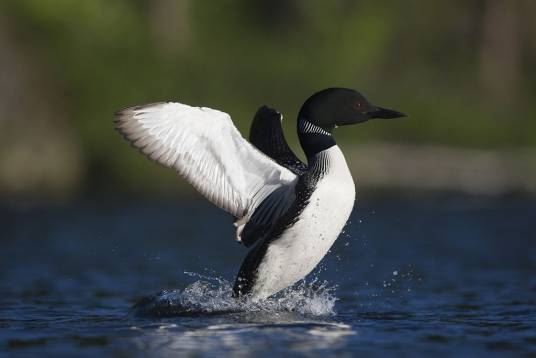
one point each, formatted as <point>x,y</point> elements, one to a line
<point>313,139</point>
<point>330,163</point>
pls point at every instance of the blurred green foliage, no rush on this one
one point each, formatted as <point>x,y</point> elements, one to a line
<point>427,59</point>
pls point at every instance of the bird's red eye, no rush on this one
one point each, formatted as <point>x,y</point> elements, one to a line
<point>358,105</point>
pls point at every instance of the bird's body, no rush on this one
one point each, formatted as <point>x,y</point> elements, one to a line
<point>327,202</point>
<point>290,212</point>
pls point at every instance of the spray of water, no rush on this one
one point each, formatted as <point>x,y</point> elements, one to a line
<point>214,295</point>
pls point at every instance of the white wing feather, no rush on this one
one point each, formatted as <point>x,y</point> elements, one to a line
<point>205,148</point>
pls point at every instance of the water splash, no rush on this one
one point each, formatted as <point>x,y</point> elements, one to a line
<point>214,295</point>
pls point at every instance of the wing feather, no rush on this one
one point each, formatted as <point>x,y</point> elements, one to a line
<point>267,215</point>
<point>266,133</point>
<point>205,148</point>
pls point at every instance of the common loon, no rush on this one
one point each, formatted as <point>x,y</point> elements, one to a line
<point>290,212</point>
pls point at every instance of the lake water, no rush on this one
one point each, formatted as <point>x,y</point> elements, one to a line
<point>410,276</point>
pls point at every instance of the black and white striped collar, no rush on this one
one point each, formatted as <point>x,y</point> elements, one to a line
<point>313,138</point>
<point>306,127</point>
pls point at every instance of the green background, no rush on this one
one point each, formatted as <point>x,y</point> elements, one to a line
<point>463,71</point>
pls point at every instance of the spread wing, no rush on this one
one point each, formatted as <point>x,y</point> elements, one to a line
<point>205,148</point>
<point>266,134</point>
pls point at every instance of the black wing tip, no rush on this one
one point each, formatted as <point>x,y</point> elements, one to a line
<point>267,113</point>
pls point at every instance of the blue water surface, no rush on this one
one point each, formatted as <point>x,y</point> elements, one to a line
<point>410,276</point>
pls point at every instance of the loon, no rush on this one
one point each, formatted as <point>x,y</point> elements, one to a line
<point>289,211</point>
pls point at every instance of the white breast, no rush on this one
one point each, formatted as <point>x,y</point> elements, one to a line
<point>296,253</point>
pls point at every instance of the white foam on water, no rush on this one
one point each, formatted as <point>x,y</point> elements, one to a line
<point>212,295</point>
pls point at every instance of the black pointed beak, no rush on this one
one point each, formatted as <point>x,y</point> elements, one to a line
<point>379,112</point>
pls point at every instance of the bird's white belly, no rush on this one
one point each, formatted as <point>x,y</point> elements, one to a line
<point>297,252</point>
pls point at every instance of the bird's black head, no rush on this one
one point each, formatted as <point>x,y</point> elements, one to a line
<point>335,107</point>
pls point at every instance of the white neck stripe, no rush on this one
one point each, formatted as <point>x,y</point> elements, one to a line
<point>305,126</point>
